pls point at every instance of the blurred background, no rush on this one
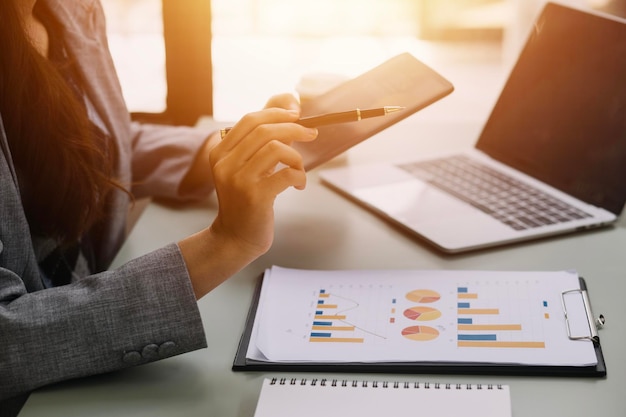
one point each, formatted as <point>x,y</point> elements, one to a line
<point>181,59</point>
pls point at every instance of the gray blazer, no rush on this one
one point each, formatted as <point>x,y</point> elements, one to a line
<point>142,312</point>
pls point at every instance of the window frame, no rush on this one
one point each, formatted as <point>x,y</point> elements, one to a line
<point>188,63</point>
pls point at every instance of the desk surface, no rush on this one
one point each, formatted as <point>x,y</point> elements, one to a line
<point>318,229</point>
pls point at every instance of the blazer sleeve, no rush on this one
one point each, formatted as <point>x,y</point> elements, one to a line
<point>162,156</point>
<point>142,312</point>
<point>155,158</point>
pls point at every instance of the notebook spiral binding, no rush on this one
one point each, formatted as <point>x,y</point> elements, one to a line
<point>381,384</point>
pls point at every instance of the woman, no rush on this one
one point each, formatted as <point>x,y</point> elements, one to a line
<point>71,162</point>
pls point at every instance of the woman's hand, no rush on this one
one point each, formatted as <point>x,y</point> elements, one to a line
<point>251,166</point>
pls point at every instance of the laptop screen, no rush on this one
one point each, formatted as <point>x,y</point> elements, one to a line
<point>561,117</point>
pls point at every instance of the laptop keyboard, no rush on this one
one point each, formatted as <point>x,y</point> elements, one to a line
<point>508,200</point>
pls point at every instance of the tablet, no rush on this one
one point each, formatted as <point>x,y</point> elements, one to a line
<point>401,81</point>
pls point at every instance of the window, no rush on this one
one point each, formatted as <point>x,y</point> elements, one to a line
<point>135,30</point>
<point>168,52</point>
<point>226,57</point>
<point>162,50</point>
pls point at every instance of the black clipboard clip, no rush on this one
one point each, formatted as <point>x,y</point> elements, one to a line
<point>595,323</point>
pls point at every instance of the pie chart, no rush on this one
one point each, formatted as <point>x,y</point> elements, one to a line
<point>423,296</point>
<point>420,333</point>
<point>422,313</point>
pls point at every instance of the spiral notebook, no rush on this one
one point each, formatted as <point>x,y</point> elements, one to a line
<point>340,398</point>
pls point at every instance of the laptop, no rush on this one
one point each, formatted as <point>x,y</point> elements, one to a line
<point>550,159</point>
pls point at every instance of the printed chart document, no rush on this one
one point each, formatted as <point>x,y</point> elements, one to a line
<point>342,398</point>
<point>406,316</point>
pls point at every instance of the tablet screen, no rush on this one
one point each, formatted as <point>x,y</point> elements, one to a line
<point>401,81</point>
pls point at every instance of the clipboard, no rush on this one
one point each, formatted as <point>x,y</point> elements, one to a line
<point>243,364</point>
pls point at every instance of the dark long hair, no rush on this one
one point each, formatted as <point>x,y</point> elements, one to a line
<point>64,175</point>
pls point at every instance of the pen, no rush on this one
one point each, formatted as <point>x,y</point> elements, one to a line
<point>340,117</point>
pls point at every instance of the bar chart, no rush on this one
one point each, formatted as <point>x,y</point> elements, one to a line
<point>341,317</point>
<point>500,317</point>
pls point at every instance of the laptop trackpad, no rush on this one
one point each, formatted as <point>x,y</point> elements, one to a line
<point>437,216</point>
